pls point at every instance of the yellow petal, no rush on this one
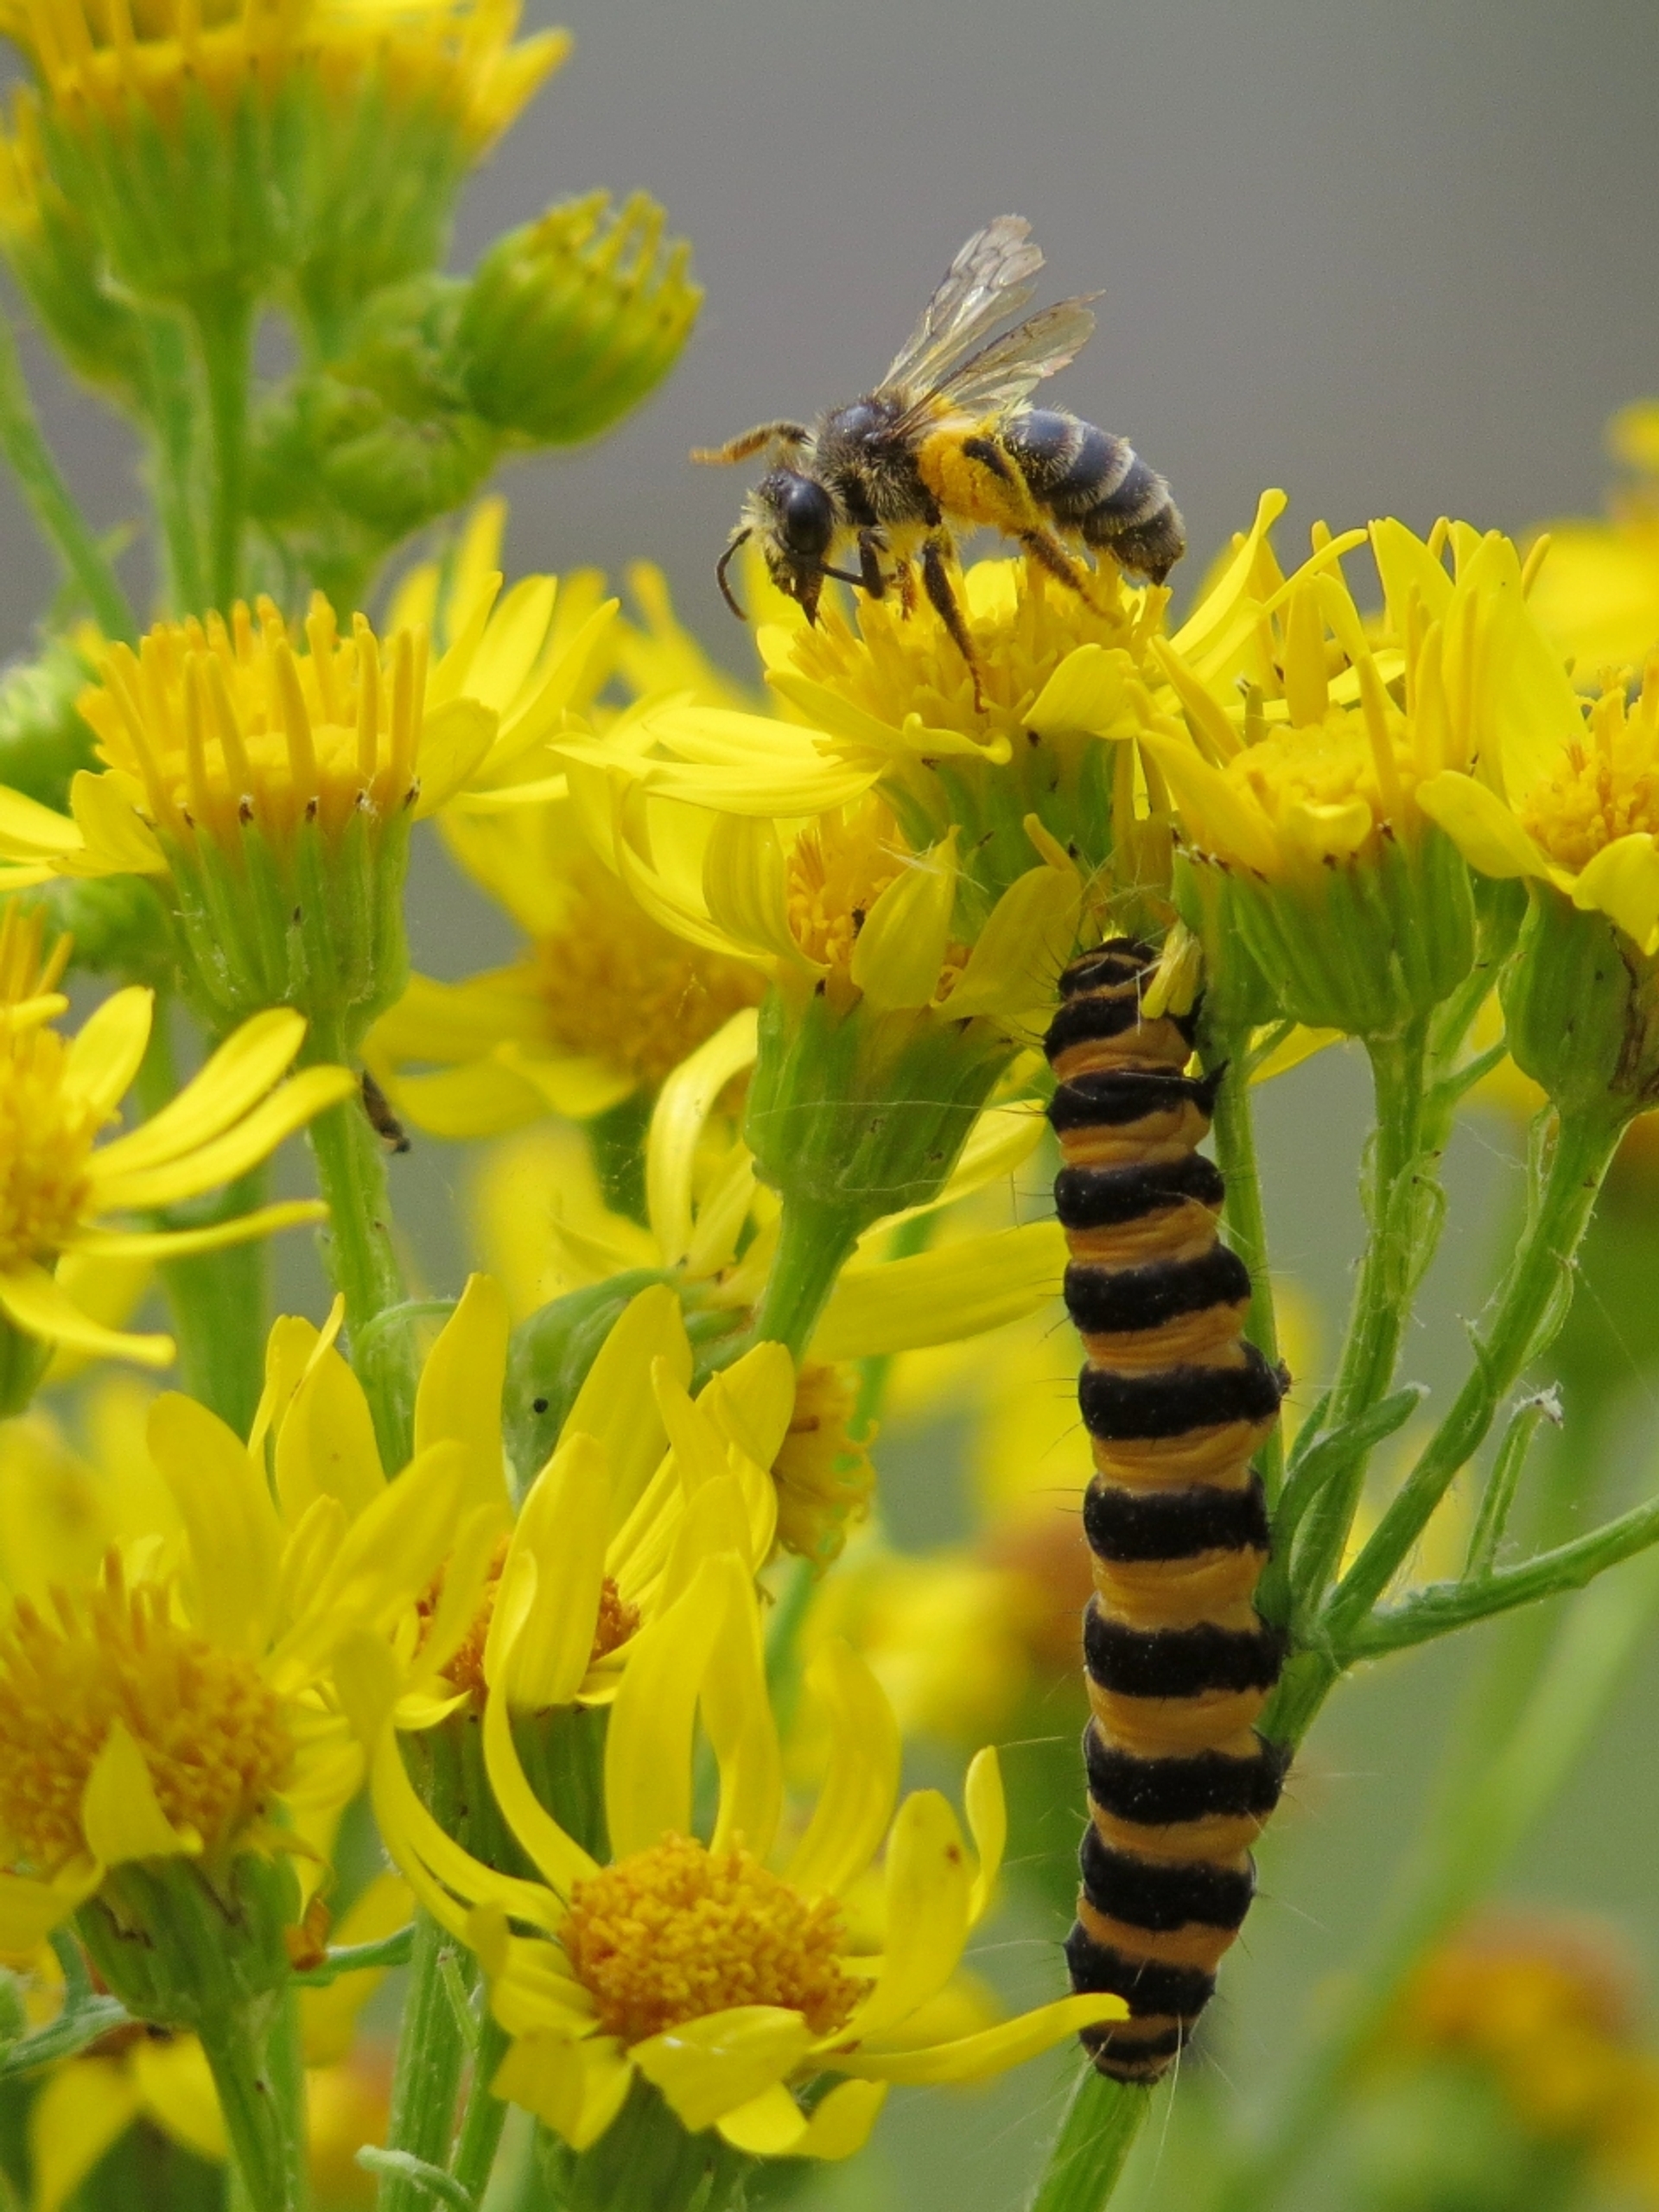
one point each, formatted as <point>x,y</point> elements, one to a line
<point>676,1124</point>
<point>135,1244</point>
<point>79,2112</point>
<point>121,1816</point>
<point>860,1782</point>
<point>105,1056</point>
<point>941,1296</point>
<point>979,2057</point>
<point>1218,817</point>
<point>1085,693</point>
<point>1220,602</point>
<point>708,2066</point>
<point>177,2089</point>
<point>987,1821</point>
<point>557,1856</point>
<point>27,828</point>
<point>648,1752</point>
<point>770,2125</point>
<point>752,1402</point>
<point>459,1391</point>
<point>615,1403</point>
<point>841,2122</point>
<point>453,741</point>
<point>235,1079</point>
<point>1021,948</point>
<point>746,886</point>
<point>924,1916</point>
<point>112,838</point>
<point>252,1139</point>
<point>901,947</point>
<point>1480,826</point>
<point>325,1447</point>
<point>576,2089</point>
<point>40,1308</point>
<point>737,1716</point>
<point>1622,881</point>
<point>1408,570</point>
<point>30,1910</point>
<point>235,1539</point>
<point>540,1636</point>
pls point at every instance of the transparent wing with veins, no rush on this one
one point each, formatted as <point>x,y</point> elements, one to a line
<point>1002,375</point>
<point>988,279</point>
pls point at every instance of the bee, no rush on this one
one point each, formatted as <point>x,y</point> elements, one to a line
<point>947,441</point>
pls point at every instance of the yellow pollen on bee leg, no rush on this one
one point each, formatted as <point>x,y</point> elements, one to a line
<point>677,1931</point>
<point>211,1733</point>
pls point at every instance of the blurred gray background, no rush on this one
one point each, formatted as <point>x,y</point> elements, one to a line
<point>1394,255</point>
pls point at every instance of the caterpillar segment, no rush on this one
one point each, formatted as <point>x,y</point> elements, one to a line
<point>1180,1663</point>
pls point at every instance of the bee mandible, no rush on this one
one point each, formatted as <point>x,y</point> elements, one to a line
<point>947,441</point>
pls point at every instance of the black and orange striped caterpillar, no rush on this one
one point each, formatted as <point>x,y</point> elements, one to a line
<point>1176,1402</point>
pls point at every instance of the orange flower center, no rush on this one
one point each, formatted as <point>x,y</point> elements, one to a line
<point>212,1734</point>
<point>671,1933</point>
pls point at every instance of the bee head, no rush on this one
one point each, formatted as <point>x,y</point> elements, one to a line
<point>794,518</point>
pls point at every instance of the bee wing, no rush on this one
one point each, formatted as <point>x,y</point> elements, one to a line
<point>988,278</point>
<point>1003,374</point>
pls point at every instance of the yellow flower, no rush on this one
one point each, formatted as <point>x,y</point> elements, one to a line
<point>1596,596</point>
<point>687,1958</point>
<point>215,148</point>
<point>165,1707</point>
<point>643,1481</point>
<point>59,1185</point>
<point>604,1001</point>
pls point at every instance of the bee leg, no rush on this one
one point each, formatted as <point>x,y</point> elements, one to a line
<point>935,582</point>
<point>871,546</point>
<point>1046,550</point>
<point>739,449</point>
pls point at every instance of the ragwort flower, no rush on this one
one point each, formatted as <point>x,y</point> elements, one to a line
<point>58,1186</point>
<point>687,1959</point>
<point>170,1707</point>
<point>275,787</point>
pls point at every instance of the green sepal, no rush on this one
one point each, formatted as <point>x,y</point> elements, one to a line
<point>179,1943</point>
<point>861,1113</point>
<point>1365,945</point>
<point>1581,1006</point>
<point>313,920</point>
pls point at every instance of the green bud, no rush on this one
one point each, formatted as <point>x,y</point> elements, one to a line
<point>1581,1005</point>
<point>181,1947</point>
<point>571,322</point>
<point>119,923</point>
<point>43,739</point>
<point>54,255</point>
<point>363,453</point>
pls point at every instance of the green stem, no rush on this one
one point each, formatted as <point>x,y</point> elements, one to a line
<point>484,2116</point>
<point>431,2052</point>
<point>1246,1227</point>
<point>1539,1279</point>
<point>1393,1260</point>
<point>1491,1807</point>
<point>171,405</point>
<point>1092,2148</point>
<point>224,320</point>
<point>361,1255</point>
<point>265,2112</point>
<point>813,1243</point>
<point>61,523</point>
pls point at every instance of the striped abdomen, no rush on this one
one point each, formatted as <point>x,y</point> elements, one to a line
<point>1176,1402</point>
<point>1098,488</point>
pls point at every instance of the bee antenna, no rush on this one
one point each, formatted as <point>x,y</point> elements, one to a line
<point>720,566</point>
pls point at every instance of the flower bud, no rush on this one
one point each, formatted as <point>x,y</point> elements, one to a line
<point>1581,1003</point>
<point>570,321</point>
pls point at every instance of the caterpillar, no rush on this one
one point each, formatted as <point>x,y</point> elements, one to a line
<point>1180,1663</point>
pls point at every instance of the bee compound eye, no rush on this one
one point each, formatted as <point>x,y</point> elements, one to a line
<point>806,518</point>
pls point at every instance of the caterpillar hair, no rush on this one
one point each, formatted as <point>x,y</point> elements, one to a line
<point>1176,1403</point>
